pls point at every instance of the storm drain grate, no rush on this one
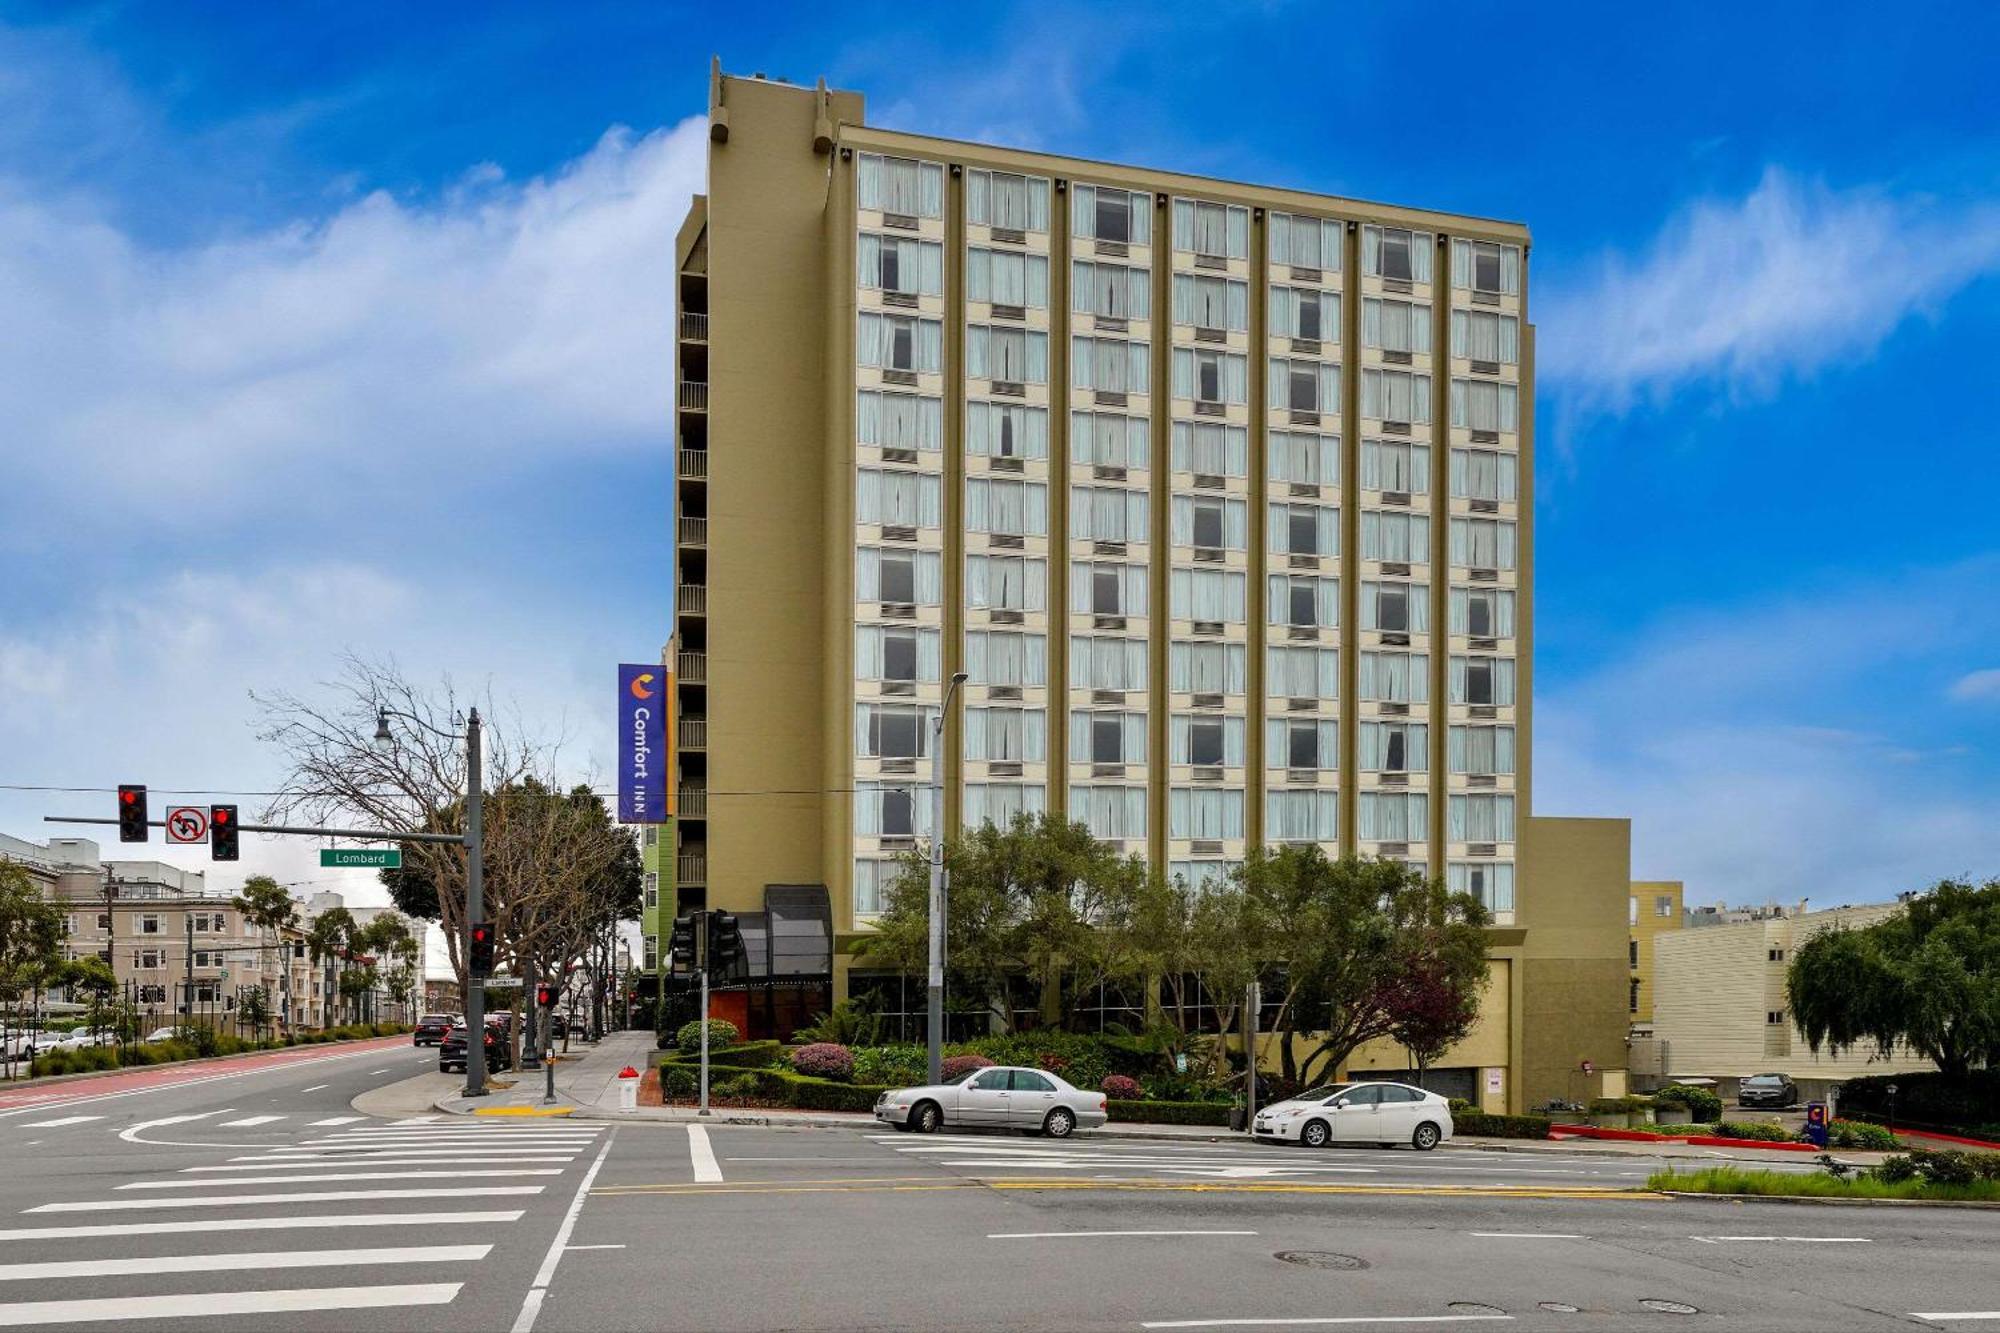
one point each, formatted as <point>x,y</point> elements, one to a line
<point>1321,1259</point>
<point>1669,1307</point>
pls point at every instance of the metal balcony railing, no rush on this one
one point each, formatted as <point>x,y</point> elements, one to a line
<point>692,601</point>
<point>691,869</point>
<point>694,325</point>
<point>694,395</point>
<point>694,803</point>
<point>691,668</point>
<point>694,532</point>
<point>694,733</point>
<point>694,465</point>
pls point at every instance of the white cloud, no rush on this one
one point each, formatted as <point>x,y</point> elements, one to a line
<point>1982,686</point>
<point>1793,277</point>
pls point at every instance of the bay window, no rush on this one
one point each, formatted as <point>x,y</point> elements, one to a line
<point>1004,199</point>
<point>1107,738</point>
<point>1482,335</point>
<point>1006,735</point>
<point>1483,680</point>
<point>1107,514</point>
<point>1112,813</point>
<point>1484,405</point>
<point>1305,242</point>
<point>1396,395</point>
<point>1395,747</point>
<point>1206,668</point>
<point>1483,266</point>
<point>1006,582</point>
<point>1221,231</point>
<point>1305,312</point>
<point>1011,508</point>
<point>1396,253</point>
<point>1393,816</point>
<point>1019,356</point>
<point>1006,430</point>
<point>1304,386</point>
<point>1390,607</point>
<point>1310,460</point>
<point>1204,812</point>
<point>884,419</point>
<point>1007,277</point>
<point>1303,602</point>
<point>900,264</point>
<point>1482,750</point>
<point>900,499</point>
<point>1110,291</point>
<point>1211,303</point>
<point>1482,474</point>
<point>1396,326</point>
<point>1099,662</point>
<point>899,185</point>
<point>1393,536</point>
<point>1205,741</point>
<point>1105,213</point>
<point>1479,817</point>
<point>1306,743</point>
<point>1486,613</point>
<point>1301,816</point>
<point>1207,594</point>
<point>900,342</point>
<point>1100,588</point>
<point>1211,448</point>
<point>1395,678</point>
<point>1395,465</point>
<point>1110,365</point>
<point>1003,657</point>
<point>1301,673</point>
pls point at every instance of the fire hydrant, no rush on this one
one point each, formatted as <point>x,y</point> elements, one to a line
<point>628,1089</point>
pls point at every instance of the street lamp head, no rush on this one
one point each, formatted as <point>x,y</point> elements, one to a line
<point>383,740</point>
<point>959,678</point>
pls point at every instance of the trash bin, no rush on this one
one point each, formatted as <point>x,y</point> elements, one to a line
<point>628,1089</point>
<point>1816,1124</point>
<point>1238,1118</point>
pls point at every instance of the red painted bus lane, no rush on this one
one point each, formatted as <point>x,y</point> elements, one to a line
<point>150,1078</point>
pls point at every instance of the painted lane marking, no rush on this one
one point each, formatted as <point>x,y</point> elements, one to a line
<point>249,1120</point>
<point>261,1224</point>
<point>315,1087</point>
<point>336,1175</point>
<point>484,1159</point>
<point>1528,1235</point>
<point>338,1120</point>
<point>531,1304</point>
<point>126,1308</point>
<point>373,1072</point>
<point>128,1265</point>
<point>1796,1240</point>
<point>706,1171</point>
<point>66,1120</point>
<point>315,1196</point>
<point>1343,1319</point>
<point>568,1248</point>
<point>1962,1314</point>
<point>1084,1235</point>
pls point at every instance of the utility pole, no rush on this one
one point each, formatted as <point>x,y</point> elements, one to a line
<point>934,1042</point>
<point>189,918</point>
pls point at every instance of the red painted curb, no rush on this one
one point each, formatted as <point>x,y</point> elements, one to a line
<point>1948,1138</point>
<point>63,1089</point>
<point>1698,1140</point>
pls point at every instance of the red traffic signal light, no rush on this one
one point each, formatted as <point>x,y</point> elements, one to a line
<point>481,959</point>
<point>131,812</point>
<point>545,996</point>
<point>222,838</point>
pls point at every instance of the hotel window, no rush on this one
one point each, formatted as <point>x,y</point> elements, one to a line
<point>1107,514</point>
<point>1110,812</point>
<point>1211,303</point>
<point>1221,231</point>
<point>1109,365</point>
<point>1302,743</point>
<point>1018,356</point>
<point>1483,680</point>
<point>1107,738</point>
<point>899,264</point>
<point>1105,439</point>
<point>1005,430</point>
<point>1102,589</point>
<point>1305,312</point>
<point>1664,906</point>
<point>1107,214</point>
<point>997,803</point>
<point>1484,750</point>
<point>1394,465</point>
<point>1482,543</point>
<point>1395,747</point>
<point>887,420</point>
<point>998,657</point>
<point>1006,735</point>
<point>1206,668</point>
<point>1210,523</point>
<point>900,185</point>
<point>1393,816</point>
<point>1396,395</point>
<point>149,924</point>
<point>1209,376</point>
<point>1207,594</point>
<point>1485,267</point>
<point>1110,291</point>
<point>1205,742</point>
<point>1201,876</point>
<point>897,499</point>
<point>1003,199</point>
<point>1301,816</point>
<point>207,958</point>
<point>871,886</point>
<point>1396,608</point>
<point>1394,252</point>
<point>1491,882</point>
<point>1486,613</point>
<point>1104,663</point>
<point>1481,405</point>
<point>148,958</point>
<point>1011,508</point>
<point>1481,335</point>
<point>1404,537</point>
<point>1395,678</point>
<point>892,731</point>
<point>1211,448</point>
<point>1204,812</point>
<point>1302,673</point>
<point>895,652</point>
<point>1005,277</point>
<point>1006,583</point>
<point>1481,474</point>
<point>1305,242</point>
<point>209,923</point>
<point>1300,529</point>
<point>1304,386</point>
<point>900,342</point>
<point>1479,818</point>
<point>1310,460</point>
<point>1396,326</point>
<point>1303,602</point>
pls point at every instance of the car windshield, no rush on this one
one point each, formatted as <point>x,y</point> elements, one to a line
<point>1765,1080</point>
<point>1322,1092</point>
<point>953,1080</point>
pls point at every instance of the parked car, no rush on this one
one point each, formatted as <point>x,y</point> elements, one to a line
<point>83,1037</point>
<point>1769,1091</point>
<point>431,1028</point>
<point>999,1097</point>
<point>161,1034</point>
<point>1380,1113</point>
<point>451,1050</point>
<point>25,1045</point>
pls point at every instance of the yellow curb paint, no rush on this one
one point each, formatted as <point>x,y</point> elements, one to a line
<point>524,1110</point>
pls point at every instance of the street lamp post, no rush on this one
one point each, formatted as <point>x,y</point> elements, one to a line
<point>475,884</point>
<point>935,1027</point>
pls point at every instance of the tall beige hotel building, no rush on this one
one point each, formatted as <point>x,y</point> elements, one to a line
<point>1220,495</point>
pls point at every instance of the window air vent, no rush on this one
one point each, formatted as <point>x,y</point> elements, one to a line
<point>1006,617</point>
<point>1303,561</point>
<point>1004,770</point>
<point>1304,488</point>
<point>1107,770</point>
<point>1114,249</point>
<point>1210,261</point>
<point>1009,389</point>
<point>1486,298</point>
<point>1304,418</point>
<point>1211,555</point>
<point>1395,710</point>
<point>899,687</point>
<point>897,533</point>
<point>1208,701</point>
<point>1013,312</point>
<point>1003,691</point>
<point>1208,775</point>
<point>904,456</point>
<point>1395,428</point>
<point>1006,465</point>
<point>1107,548</point>
<point>1393,640</point>
<point>1107,696</point>
<point>898,842</point>
<point>899,611</point>
<point>1008,541</point>
<point>1103,473</point>
<point>1485,506</point>
<point>1008,235</point>
<point>1303,776</point>
<point>1107,622</point>
<point>1307,274</point>
<point>1481,849</point>
<point>1488,645</point>
<point>1206,847</point>
<point>907,378</point>
<point>1208,627</point>
<point>901,220</point>
<point>1306,346</point>
<point>1396,498</point>
<point>1202,409</point>
<point>1302,633</point>
<point>1485,576</point>
<point>1204,481</point>
<point>1109,398</point>
<point>1202,335</point>
<point>1480,780</point>
<point>1486,437</point>
<point>908,299</point>
<point>1302,705</point>
<point>1483,710</point>
<point>1112,324</point>
<point>899,765</point>
<point>1393,358</point>
<point>1486,367</point>
<point>1397,285</point>
<point>1395,567</point>
<point>1395,779</point>
<point>1392,849</point>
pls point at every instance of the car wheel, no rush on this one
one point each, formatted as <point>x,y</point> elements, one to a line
<point>1315,1134</point>
<point>1060,1124</point>
<point>902,1126</point>
<point>1426,1137</point>
<point>925,1118</point>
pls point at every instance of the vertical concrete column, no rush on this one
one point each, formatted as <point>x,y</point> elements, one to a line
<point>1260,542</point>
<point>1350,535</point>
<point>1059,483</point>
<point>1161,356</point>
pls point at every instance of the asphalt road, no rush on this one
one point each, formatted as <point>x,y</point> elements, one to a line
<point>264,1200</point>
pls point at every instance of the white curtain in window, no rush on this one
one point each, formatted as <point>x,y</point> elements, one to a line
<point>1324,380</point>
<point>1324,593</point>
<point>1114,365</point>
<point>1302,816</point>
<point>1325,524</point>
<point>1019,508</point>
<point>868,799</point>
<point>1224,373</point>
<point>1488,750</point>
<point>1480,818</point>
<point>1395,395</point>
<point>1482,543</point>
<point>1011,583</point>
<point>1313,460</point>
<point>1397,326</point>
<point>1288,305</point>
<point>1482,405</point>
<point>1107,514</point>
<point>1107,439</point>
<point>1482,335</point>
<point>999,657</point>
<point>875,344</point>
<point>1397,678</point>
<point>1502,672</point>
<point>869,645</point>
<point>1480,474</point>
<point>1007,278</point>
<point>927,568</point>
<point>1181,728</point>
<point>1003,199</point>
<point>1386,536</point>
<point>1406,742</point>
<point>1235,522</point>
<point>1492,882</point>
<point>1211,447</point>
<point>1325,735</point>
<point>1306,242</point>
<point>1006,430</point>
<point>1211,303</point>
<point>871,721</point>
<point>1105,663</point>
<point>1302,673</point>
<point>1206,668</point>
<point>1393,816</point>
<point>889,420</point>
<point>904,499</point>
<point>998,803</point>
<point>1207,594</point>
<point>1204,812</point>
<point>1392,465</point>
<point>1110,812</point>
<point>1416,599</point>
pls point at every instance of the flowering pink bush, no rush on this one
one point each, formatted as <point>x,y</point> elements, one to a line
<point>1118,1087</point>
<point>824,1059</point>
<point>955,1065</point>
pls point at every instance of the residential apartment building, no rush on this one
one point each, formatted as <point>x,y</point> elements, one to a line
<point>1654,906</point>
<point>1219,495</point>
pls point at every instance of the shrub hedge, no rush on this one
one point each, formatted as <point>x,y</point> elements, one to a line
<point>721,1032</point>
<point>1702,1105</point>
<point>1936,1100</point>
<point>204,1042</point>
<point>1168,1113</point>
<point>1761,1131</point>
<point>1500,1126</point>
<point>824,1059</point>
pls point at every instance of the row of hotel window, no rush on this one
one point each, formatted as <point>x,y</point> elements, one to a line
<point>1019,660</point>
<point>914,188</point>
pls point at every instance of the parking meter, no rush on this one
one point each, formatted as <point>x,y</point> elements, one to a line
<point>1816,1124</point>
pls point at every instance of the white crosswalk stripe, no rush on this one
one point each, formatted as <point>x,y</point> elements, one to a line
<point>251,1120</point>
<point>58,1123</point>
<point>311,1196</point>
<point>339,1120</point>
<point>127,1309</point>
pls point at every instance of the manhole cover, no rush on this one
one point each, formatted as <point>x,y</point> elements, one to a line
<point>1321,1259</point>
<point>1473,1307</point>
<point>1669,1307</point>
<point>1557,1307</point>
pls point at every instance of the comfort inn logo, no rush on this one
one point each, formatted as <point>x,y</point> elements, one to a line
<point>642,686</point>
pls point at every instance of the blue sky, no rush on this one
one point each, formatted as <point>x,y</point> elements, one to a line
<point>343,328</point>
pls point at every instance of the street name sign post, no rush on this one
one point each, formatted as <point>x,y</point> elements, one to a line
<point>377,858</point>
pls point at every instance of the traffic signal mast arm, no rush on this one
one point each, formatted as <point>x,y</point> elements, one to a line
<point>359,835</point>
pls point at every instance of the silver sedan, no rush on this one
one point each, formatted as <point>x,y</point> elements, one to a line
<point>998,1097</point>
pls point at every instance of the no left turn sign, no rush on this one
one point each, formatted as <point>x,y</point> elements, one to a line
<point>187,823</point>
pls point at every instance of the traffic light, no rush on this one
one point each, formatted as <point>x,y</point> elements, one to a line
<point>222,833</point>
<point>545,996</point>
<point>482,949</point>
<point>131,812</point>
<point>725,943</point>
<point>680,945</point>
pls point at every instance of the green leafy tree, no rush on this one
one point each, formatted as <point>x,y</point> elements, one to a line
<point>91,979</point>
<point>330,939</point>
<point>269,906</point>
<point>31,937</point>
<point>253,1009</point>
<point>1927,978</point>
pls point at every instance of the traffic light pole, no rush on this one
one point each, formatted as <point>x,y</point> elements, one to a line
<point>704,1042</point>
<point>475,908</point>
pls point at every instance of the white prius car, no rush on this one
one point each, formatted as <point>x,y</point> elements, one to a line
<point>1377,1113</point>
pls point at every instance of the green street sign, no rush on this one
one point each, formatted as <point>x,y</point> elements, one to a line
<point>380,858</point>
